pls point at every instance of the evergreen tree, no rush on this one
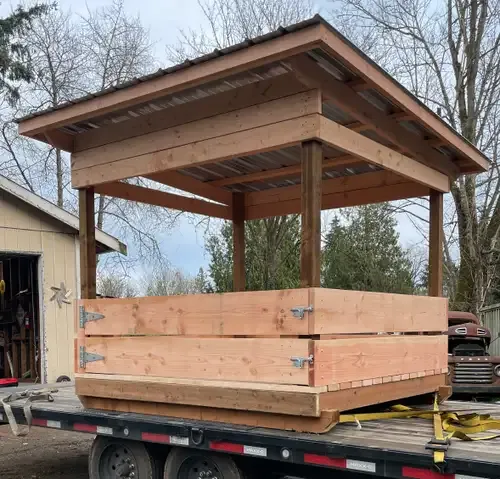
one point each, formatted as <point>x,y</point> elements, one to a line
<point>363,253</point>
<point>15,66</point>
<point>272,254</point>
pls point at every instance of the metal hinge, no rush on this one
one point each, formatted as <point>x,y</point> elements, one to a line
<point>298,362</point>
<point>86,316</point>
<point>88,357</point>
<point>300,311</point>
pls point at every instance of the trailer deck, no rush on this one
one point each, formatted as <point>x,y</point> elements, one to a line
<point>389,448</point>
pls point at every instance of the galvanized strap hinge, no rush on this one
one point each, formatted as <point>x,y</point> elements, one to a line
<point>300,311</point>
<point>86,357</point>
<point>298,362</point>
<point>86,316</point>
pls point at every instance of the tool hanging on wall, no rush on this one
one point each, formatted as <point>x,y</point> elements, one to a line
<point>2,287</point>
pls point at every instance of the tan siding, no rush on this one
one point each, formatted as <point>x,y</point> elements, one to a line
<point>26,229</point>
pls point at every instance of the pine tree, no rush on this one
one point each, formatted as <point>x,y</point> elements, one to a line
<point>15,65</point>
<point>363,253</point>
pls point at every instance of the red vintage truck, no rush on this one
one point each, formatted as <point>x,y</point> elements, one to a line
<point>471,368</point>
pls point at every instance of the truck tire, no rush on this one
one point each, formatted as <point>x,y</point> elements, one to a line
<point>188,463</point>
<point>112,458</point>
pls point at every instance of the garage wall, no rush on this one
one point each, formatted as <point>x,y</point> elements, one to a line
<point>25,229</point>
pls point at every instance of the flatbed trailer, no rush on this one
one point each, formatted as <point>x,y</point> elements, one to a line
<point>139,445</point>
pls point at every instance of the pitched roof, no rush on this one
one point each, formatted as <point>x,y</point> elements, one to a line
<point>105,242</point>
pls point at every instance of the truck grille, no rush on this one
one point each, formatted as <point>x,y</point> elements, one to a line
<point>476,373</point>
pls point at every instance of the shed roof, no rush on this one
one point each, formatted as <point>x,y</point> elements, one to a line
<point>105,242</point>
<point>251,61</point>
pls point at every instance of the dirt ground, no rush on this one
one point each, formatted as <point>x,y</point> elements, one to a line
<point>44,454</point>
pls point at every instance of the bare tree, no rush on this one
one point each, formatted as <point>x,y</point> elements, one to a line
<point>58,64</point>
<point>115,286</point>
<point>232,21</point>
<point>167,281</point>
<point>448,54</point>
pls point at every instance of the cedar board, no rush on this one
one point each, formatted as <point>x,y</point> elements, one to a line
<point>268,313</point>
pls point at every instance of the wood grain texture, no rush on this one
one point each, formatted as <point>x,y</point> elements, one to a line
<point>340,360</point>
<point>369,150</point>
<point>436,238</point>
<point>242,143</point>
<point>216,69</point>
<point>88,258</point>
<point>164,199</point>
<point>294,106</point>
<point>250,313</point>
<point>379,393</point>
<point>257,360</point>
<point>238,242</point>
<point>310,244</point>
<point>324,423</point>
<point>340,311</point>
<point>276,398</point>
<point>233,99</point>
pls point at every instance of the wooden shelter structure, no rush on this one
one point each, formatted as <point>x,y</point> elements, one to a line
<point>295,121</point>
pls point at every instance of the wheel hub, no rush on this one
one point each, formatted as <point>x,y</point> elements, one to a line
<point>200,469</point>
<point>118,462</point>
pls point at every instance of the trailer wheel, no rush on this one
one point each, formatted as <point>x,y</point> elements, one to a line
<point>112,458</point>
<point>192,464</point>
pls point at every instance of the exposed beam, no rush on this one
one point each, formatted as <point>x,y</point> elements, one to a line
<point>336,46</point>
<point>310,245</point>
<point>218,68</point>
<point>58,139</point>
<point>359,127</point>
<point>282,172</point>
<point>239,242</point>
<point>312,75</point>
<point>192,185</point>
<point>436,244</point>
<point>275,111</point>
<point>337,193</point>
<point>358,84</point>
<point>87,243</point>
<point>164,199</point>
<point>368,150</point>
<point>225,102</point>
<point>242,143</point>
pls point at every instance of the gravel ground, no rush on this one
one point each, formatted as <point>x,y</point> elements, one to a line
<point>44,454</point>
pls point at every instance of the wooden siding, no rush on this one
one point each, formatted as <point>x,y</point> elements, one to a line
<point>24,229</point>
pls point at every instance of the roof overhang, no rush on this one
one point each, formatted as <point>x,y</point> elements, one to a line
<point>207,75</point>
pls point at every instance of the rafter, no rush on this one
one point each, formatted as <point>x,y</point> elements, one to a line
<point>312,75</point>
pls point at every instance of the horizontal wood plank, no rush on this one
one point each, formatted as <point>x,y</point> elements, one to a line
<point>248,142</point>
<point>182,79</point>
<point>378,393</point>
<point>339,311</point>
<point>294,106</point>
<point>324,423</point>
<point>277,398</point>
<point>164,199</point>
<point>234,99</point>
<point>341,360</point>
<point>369,150</point>
<point>257,360</point>
<point>249,313</point>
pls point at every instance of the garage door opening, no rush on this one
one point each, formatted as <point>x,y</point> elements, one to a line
<point>19,317</point>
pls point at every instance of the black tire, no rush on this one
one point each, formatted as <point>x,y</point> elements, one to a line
<point>109,456</point>
<point>180,462</point>
<point>63,379</point>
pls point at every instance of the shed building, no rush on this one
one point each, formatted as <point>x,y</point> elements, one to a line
<point>39,283</point>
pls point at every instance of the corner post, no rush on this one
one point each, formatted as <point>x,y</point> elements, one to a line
<point>239,242</point>
<point>87,243</point>
<point>310,250</point>
<point>436,244</point>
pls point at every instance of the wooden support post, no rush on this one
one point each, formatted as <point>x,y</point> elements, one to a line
<point>238,242</point>
<point>436,244</point>
<point>87,243</point>
<point>310,253</point>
